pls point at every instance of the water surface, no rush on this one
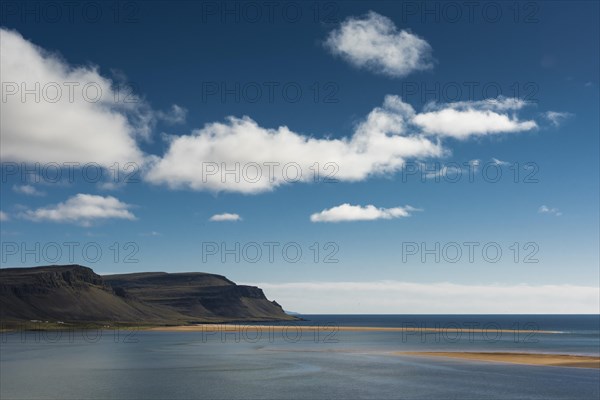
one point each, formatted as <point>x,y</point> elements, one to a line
<point>345,365</point>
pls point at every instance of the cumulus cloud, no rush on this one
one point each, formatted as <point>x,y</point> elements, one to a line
<point>397,297</point>
<point>549,210</point>
<point>463,119</point>
<point>57,113</point>
<point>373,41</point>
<point>557,118</point>
<point>82,209</point>
<point>348,212</point>
<point>108,131</point>
<point>4,216</point>
<point>29,190</point>
<point>498,104</point>
<point>463,124</point>
<point>262,158</point>
<point>242,156</point>
<point>225,217</point>
<point>71,114</point>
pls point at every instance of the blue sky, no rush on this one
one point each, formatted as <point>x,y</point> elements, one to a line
<point>388,95</point>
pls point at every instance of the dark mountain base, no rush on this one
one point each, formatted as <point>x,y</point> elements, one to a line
<point>73,294</point>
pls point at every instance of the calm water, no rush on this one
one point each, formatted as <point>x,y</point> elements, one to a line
<point>313,365</point>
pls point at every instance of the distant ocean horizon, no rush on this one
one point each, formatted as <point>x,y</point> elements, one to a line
<point>576,334</point>
<point>553,322</point>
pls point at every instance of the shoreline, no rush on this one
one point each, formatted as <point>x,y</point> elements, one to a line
<point>233,326</point>
<point>534,359</point>
<point>506,357</point>
<point>330,328</point>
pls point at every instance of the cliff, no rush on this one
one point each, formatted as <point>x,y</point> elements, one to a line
<point>75,294</point>
<point>199,295</point>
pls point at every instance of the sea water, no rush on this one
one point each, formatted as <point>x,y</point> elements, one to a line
<point>321,363</point>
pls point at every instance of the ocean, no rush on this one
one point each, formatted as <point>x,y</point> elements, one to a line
<point>320,363</point>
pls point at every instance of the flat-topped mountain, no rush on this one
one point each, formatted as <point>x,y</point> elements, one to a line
<point>75,294</point>
<point>199,295</point>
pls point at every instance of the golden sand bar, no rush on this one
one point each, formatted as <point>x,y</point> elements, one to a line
<point>555,360</point>
<point>550,360</point>
<point>331,328</point>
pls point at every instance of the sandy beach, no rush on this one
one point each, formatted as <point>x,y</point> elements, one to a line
<point>328,328</point>
<point>552,360</point>
<point>556,360</point>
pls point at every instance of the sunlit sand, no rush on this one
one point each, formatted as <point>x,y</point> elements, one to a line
<point>554,360</point>
<point>330,328</point>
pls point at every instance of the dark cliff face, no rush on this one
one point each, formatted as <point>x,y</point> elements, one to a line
<point>73,293</point>
<point>199,295</point>
<point>41,280</point>
<point>69,293</point>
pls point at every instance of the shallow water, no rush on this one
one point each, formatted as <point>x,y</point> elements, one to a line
<point>346,365</point>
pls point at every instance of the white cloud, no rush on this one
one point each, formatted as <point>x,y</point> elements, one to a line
<point>499,104</point>
<point>176,115</point>
<point>107,131</point>
<point>396,297</point>
<point>347,212</point>
<point>499,162</point>
<point>29,190</point>
<point>225,217</point>
<point>373,41</point>
<point>4,216</point>
<point>380,144</point>
<point>108,185</point>
<point>450,171</point>
<point>54,112</point>
<point>61,125</point>
<point>475,163</point>
<point>549,210</point>
<point>81,209</point>
<point>464,119</point>
<point>151,233</point>
<point>461,124</point>
<point>557,118</point>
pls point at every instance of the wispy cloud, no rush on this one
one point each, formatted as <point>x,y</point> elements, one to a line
<point>4,216</point>
<point>225,217</point>
<point>347,212</point>
<point>397,297</point>
<point>176,115</point>
<point>28,190</point>
<point>499,162</point>
<point>498,104</point>
<point>448,170</point>
<point>81,209</point>
<point>150,234</point>
<point>549,210</point>
<point>557,118</point>
<point>372,41</point>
